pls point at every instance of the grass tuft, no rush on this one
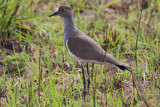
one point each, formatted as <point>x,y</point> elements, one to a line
<point>36,69</point>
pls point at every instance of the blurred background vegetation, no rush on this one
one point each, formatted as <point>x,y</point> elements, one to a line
<point>36,70</point>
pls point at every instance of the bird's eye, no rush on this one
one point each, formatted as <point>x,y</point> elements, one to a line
<point>63,9</point>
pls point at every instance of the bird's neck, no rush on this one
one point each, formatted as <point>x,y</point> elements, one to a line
<point>69,24</point>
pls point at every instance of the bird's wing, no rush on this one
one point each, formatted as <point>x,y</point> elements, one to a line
<point>86,48</point>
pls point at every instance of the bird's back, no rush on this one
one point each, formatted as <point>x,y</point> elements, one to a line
<point>88,49</point>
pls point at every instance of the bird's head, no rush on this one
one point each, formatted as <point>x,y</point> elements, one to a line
<point>62,11</point>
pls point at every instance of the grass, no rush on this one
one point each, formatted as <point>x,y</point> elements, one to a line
<point>36,69</point>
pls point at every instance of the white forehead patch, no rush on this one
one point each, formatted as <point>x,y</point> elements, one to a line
<point>57,9</point>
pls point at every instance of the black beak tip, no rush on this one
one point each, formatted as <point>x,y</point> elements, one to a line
<point>54,14</point>
<point>50,15</point>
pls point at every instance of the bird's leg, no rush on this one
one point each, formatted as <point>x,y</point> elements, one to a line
<point>88,77</point>
<point>84,82</point>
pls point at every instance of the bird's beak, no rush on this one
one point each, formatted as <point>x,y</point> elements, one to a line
<point>54,14</point>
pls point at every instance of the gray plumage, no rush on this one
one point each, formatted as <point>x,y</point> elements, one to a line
<point>83,48</point>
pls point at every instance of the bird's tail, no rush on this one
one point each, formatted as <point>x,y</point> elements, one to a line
<point>124,67</point>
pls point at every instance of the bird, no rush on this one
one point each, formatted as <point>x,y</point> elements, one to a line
<point>82,47</point>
